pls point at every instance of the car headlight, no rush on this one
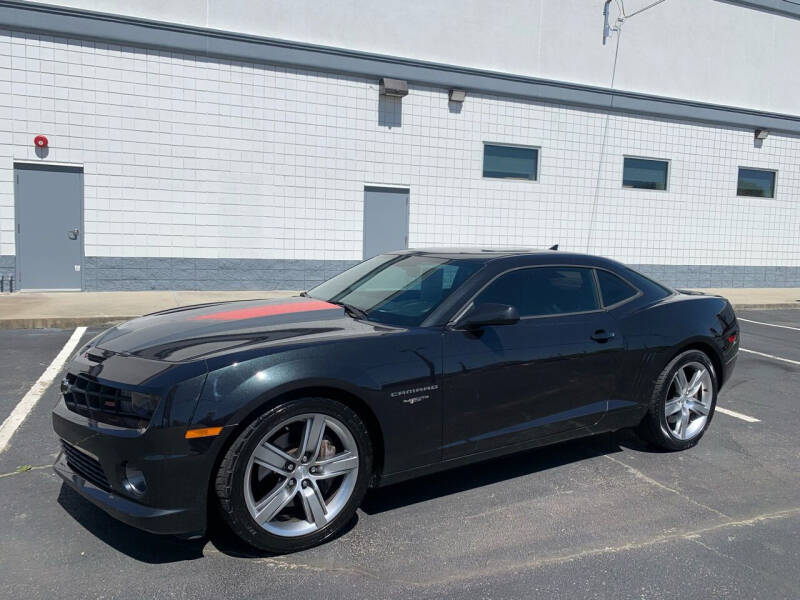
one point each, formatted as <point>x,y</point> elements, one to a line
<point>143,405</point>
<point>138,404</point>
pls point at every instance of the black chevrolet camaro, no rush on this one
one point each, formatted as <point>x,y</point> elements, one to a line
<point>281,413</point>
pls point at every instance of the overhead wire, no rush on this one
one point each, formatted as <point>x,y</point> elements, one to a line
<point>621,6</point>
<point>641,10</point>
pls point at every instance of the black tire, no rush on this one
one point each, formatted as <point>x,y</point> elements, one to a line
<point>654,427</point>
<point>230,475</point>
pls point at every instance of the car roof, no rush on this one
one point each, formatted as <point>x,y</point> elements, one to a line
<point>491,254</point>
<point>487,253</point>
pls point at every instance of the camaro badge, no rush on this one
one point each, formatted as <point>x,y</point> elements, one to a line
<point>414,399</point>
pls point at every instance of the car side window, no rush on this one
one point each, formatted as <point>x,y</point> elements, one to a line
<point>541,291</point>
<point>613,289</point>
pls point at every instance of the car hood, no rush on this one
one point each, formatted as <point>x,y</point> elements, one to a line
<point>194,332</point>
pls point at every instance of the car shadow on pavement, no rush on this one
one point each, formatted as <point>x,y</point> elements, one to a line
<point>157,549</point>
<point>476,475</point>
<point>139,545</point>
<point>224,540</point>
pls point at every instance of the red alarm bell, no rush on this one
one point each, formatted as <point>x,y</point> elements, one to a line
<point>40,141</point>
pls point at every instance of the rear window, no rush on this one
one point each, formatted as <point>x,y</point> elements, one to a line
<point>650,287</point>
<point>613,290</point>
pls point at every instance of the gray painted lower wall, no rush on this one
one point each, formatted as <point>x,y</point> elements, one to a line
<point>722,276</point>
<point>264,274</point>
<point>134,274</point>
<point>124,273</point>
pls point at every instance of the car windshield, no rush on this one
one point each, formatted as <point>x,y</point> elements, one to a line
<point>396,289</point>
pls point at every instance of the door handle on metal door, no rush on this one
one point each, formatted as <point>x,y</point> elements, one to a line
<point>73,234</point>
<point>602,336</point>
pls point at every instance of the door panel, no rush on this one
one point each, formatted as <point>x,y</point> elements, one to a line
<point>513,383</point>
<point>385,220</point>
<point>49,212</point>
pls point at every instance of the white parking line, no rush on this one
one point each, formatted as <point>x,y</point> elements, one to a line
<point>772,356</point>
<point>768,324</point>
<point>29,400</point>
<point>738,415</point>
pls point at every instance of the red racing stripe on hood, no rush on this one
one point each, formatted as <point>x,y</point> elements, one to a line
<point>267,311</point>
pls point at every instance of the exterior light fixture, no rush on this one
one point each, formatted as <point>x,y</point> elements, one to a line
<point>762,134</point>
<point>40,141</point>
<point>394,87</point>
<point>457,95</point>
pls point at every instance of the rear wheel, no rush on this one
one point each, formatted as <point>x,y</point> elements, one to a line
<point>295,476</point>
<point>683,402</point>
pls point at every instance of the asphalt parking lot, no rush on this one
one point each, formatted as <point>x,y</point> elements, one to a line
<point>605,517</point>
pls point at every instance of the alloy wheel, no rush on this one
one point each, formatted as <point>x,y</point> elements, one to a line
<point>301,474</point>
<point>689,400</point>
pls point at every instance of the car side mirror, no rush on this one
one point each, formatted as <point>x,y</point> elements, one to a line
<point>484,315</point>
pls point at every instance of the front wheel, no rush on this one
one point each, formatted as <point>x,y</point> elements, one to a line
<point>683,402</point>
<point>295,476</point>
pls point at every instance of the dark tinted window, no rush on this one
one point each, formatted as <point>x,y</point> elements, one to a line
<point>510,162</point>
<point>613,289</point>
<point>543,291</point>
<point>756,182</point>
<point>645,174</point>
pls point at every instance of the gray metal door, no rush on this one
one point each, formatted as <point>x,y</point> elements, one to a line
<point>49,212</point>
<point>385,220</point>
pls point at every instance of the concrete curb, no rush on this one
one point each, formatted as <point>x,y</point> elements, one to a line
<point>765,306</point>
<point>61,322</point>
<point>70,322</point>
<point>39,310</point>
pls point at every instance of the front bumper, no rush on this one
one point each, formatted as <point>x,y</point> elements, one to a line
<point>176,470</point>
<point>178,521</point>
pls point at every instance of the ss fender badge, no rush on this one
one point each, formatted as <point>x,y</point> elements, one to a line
<point>414,399</point>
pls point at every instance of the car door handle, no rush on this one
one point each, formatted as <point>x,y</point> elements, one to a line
<point>602,336</point>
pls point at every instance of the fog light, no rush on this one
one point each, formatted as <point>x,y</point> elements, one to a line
<point>134,481</point>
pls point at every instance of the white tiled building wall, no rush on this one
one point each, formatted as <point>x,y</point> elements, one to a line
<point>193,157</point>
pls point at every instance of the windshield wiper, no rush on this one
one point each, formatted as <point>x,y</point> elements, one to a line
<point>353,311</point>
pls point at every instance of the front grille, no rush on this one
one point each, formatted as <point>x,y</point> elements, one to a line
<point>102,403</point>
<point>85,466</point>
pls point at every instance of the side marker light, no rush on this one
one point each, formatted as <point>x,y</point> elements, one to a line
<point>202,432</point>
